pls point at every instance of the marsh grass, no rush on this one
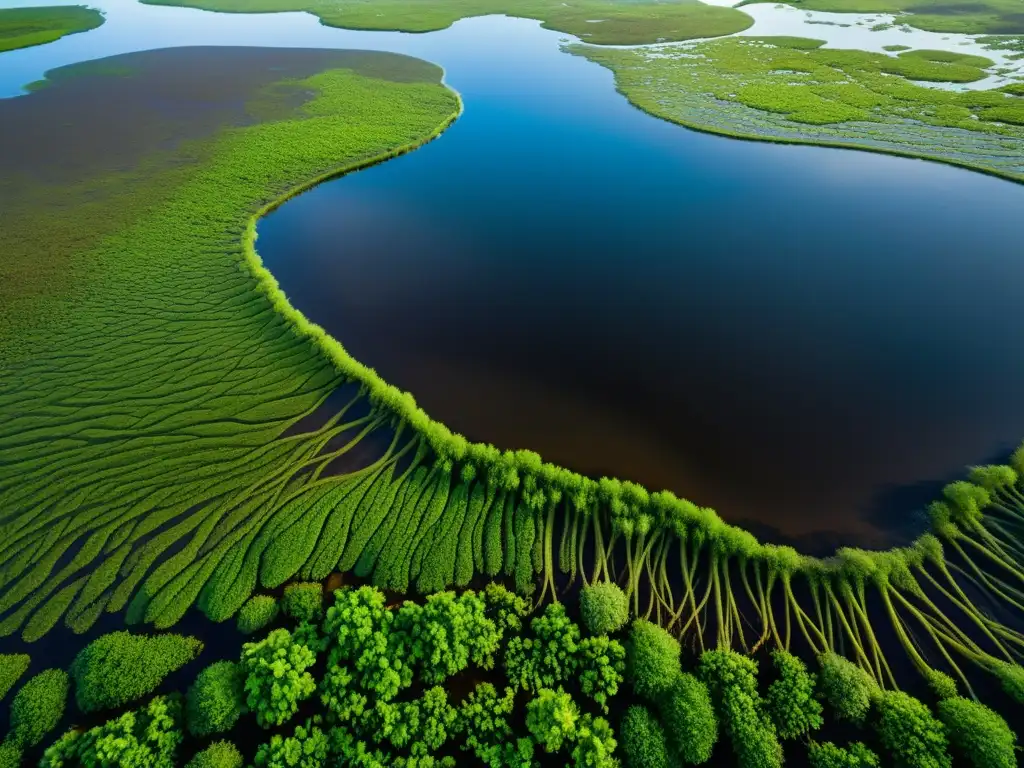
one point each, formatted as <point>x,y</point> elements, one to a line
<point>26,27</point>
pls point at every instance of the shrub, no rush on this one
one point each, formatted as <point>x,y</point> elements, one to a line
<point>506,609</point>
<point>120,667</point>
<point>790,700</point>
<point>595,744</point>
<point>550,657</point>
<point>303,601</point>
<point>10,755</point>
<point>912,737</point>
<point>942,685</point>
<point>600,665</point>
<point>256,614</point>
<point>978,735</point>
<point>483,721</point>
<point>12,667</point>
<point>276,679</point>
<point>847,688</point>
<point>146,738</point>
<point>216,699</point>
<point>828,755</point>
<point>652,659</point>
<point>604,608</point>
<point>732,681</point>
<point>220,754</point>
<point>422,726</point>
<point>643,739</point>
<point>38,707</point>
<point>552,718</point>
<point>689,719</point>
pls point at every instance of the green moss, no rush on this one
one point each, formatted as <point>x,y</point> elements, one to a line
<point>257,613</point>
<point>12,667</point>
<point>39,707</point>
<point>603,608</point>
<point>615,22</point>
<point>25,27</point>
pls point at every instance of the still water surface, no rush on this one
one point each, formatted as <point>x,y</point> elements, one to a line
<point>806,339</point>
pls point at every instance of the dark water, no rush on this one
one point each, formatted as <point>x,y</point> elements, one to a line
<point>805,339</point>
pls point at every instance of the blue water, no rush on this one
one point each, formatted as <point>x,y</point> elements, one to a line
<point>807,339</point>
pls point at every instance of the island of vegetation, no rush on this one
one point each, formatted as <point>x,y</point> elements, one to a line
<point>25,27</point>
<point>610,22</point>
<point>993,17</point>
<point>175,436</point>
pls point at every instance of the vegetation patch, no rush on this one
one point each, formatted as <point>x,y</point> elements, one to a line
<point>622,22</point>
<point>25,27</point>
<point>778,89</point>
<point>972,17</point>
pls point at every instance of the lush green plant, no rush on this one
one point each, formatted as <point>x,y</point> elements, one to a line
<point>120,667</point>
<point>216,699</point>
<point>39,706</point>
<point>552,718</point>
<point>307,747</point>
<point>978,735</point>
<point>147,738</point>
<point>600,664</point>
<point>10,755</point>
<point>258,612</point>
<point>303,601</point>
<point>422,726</point>
<point>276,677</point>
<point>25,27</point>
<point>595,744</point>
<point>12,667</point>
<point>652,659</point>
<point>847,688</point>
<point>604,608</point>
<point>911,735</point>
<point>732,681</point>
<point>643,739</point>
<point>550,657</point>
<point>790,700</point>
<point>690,721</point>
<point>828,755</point>
<point>220,754</point>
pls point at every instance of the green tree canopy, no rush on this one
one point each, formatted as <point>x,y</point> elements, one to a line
<point>604,608</point>
<point>216,699</point>
<point>39,706</point>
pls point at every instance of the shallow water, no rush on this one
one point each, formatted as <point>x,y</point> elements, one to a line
<point>807,339</point>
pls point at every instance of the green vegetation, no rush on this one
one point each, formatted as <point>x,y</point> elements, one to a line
<point>652,657</point>
<point>38,707</point>
<point>10,755</point>
<point>847,688</point>
<point>977,735</point>
<point>220,754</point>
<point>995,17</point>
<point>828,755</point>
<point>604,608</point>
<point>690,721</point>
<point>790,701</point>
<point>120,667</point>
<point>613,22</point>
<point>216,699</point>
<point>895,48</point>
<point>911,735</point>
<point>25,27</point>
<point>12,667</point>
<point>276,677</point>
<point>794,91</point>
<point>303,602</point>
<point>643,739</point>
<point>257,613</point>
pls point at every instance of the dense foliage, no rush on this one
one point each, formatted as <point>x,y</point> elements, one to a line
<point>828,755</point>
<point>604,608</point>
<point>732,680</point>
<point>216,699</point>
<point>147,738</point>
<point>911,735</point>
<point>12,667</point>
<point>790,700</point>
<point>38,707</point>
<point>690,720</point>
<point>847,688</point>
<point>258,612</point>
<point>276,677</point>
<point>643,739</point>
<point>977,735</point>
<point>652,659</point>
<point>220,754</point>
<point>303,601</point>
<point>121,667</point>
<point>25,27</point>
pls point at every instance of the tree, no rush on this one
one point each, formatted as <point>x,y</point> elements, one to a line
<point>506,609</point>
<point>595,744</point>
<point>216,699</point>
<point>847,688</point>
<point>604,608</point>
<point>220,754</point>
<point>307,747</point>
<point>258,612</point>
<point>732,681</point>
<point>690,721</point>
<point>10,755</point>
<point>120,667</point>
<point>550,657</point>
<point>146,738</point>
<point>422,726</point>
<point>12,667</point>
<point>483,722</point>
<point>643,739</point>
<point>978,735</point>
<point>38,707</point>
<point>303,601</point>
<point>790,700</point>
<point>552,718</point>
<point>652,659</point>
<point>276,679</point>
<point>828,755</point>
<point>600,664</point>
<point>912,737</point>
